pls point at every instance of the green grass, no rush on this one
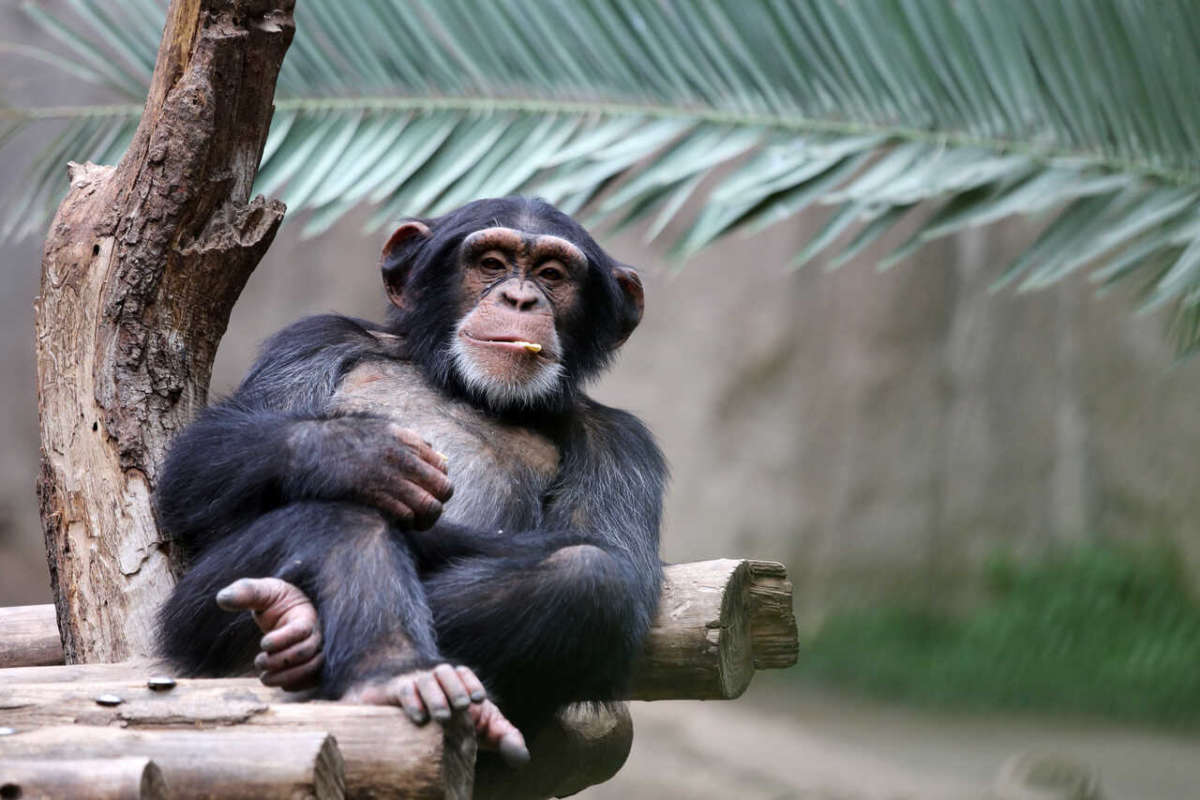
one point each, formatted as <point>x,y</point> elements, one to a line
<point>1098,630</point>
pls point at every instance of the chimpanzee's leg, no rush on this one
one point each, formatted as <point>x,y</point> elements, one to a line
<point>543,630</point>
<point>346,558</point>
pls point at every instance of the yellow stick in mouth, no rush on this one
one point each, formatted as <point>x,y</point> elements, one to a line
<point>532,347</point>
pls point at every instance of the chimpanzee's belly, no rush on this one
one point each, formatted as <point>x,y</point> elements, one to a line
<point>500,472</point>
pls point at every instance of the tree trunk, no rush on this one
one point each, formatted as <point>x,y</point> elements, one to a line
<point>232,763</point>
<point>140,270</point>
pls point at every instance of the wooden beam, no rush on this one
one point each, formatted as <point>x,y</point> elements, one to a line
<point>29,637</point>
<point>385,755</point>
<point>717,622</point>
<point>73,777</point>
<point>230,763</point>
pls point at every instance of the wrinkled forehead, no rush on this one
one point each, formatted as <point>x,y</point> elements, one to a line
<point>523,244</point>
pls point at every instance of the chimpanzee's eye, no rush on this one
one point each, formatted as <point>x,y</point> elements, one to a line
<point>552,274</point>
<point>492,264</point>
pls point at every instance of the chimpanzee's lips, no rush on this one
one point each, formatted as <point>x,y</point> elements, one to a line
<point>510,342</point>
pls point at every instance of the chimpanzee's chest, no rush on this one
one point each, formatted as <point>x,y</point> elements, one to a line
<point>501,472</point>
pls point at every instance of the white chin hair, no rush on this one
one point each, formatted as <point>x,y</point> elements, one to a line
<point>509,394</point>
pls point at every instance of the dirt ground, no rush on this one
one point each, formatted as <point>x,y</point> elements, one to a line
<point>783,745</point>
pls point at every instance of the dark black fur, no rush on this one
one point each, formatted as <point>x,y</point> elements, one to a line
<point>541,625</point>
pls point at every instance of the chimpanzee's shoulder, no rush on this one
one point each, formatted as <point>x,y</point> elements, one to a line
<point>311,356</point>
<point>617,433</point>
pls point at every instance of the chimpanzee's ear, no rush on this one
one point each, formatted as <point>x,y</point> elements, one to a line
<point>396,259</point>
<point>634,301</point>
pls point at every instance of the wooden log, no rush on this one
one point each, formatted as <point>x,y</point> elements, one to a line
<point>718,621</point>
<point>131,778</point>
<point>29,637</point>
<point>385,755</point>
<point>140,271</point>
<point>230,763</point>
<point>713,617</point>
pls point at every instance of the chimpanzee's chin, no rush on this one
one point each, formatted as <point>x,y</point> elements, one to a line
<point>506,380</point>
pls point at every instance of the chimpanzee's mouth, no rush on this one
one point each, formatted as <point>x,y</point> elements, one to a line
<point>506,341</point>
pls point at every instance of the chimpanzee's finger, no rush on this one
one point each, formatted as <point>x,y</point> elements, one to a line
<point>513,748</point>
<point>452,685</point>
<point>433,696</point>
<point>421,447</point>
<point>294,679</point>
<point>495,732</point>
<point>249,594</point>
<point>292,632</point>
<point>295,655</point>
<point>272,601</point>
<point>390,506</point>
<point>431,480</point>
<point>425,507</point>
<point>473,685</point>
<point>410,701</point>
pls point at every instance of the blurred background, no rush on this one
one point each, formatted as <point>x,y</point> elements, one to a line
<point>987,501</point>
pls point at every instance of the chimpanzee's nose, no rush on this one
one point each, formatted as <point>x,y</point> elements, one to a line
<point>521,296</point>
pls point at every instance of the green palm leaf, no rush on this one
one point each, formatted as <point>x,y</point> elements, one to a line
<point>1081,111</point>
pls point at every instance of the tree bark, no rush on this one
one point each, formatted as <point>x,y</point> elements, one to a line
<point>232,763</point>
<point>385,755</point>
<point>74,777</point>
<point>140,270</point>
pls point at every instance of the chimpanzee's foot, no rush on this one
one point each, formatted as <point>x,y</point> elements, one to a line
<point>440,692</point>
<point>291,655</point>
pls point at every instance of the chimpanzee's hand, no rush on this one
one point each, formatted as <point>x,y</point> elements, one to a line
<point>291,655</point>
<point>371,461</point>
<point>439,693</point>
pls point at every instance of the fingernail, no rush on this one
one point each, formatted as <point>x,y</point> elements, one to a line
<point>225,595</point>
<point>266,643</point>
<point>441,714</point>
<point>514,750</point>
<point>479,695</point>
<point>460,702</point>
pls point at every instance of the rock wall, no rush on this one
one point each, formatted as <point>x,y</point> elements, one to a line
<point>878,433</point>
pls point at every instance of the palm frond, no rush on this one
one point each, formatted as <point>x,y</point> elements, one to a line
<point>1080,111</point>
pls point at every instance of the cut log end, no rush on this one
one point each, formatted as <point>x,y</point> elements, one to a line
<point>70,778</point>
<point>717,622</point>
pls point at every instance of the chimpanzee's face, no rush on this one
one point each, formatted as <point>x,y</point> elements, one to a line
<point>518,290</point>
<point>508,302</point>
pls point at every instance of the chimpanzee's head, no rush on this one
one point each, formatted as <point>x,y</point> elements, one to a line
<point>508,302</point>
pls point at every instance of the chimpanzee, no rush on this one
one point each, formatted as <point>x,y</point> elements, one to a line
<point>438,487</point>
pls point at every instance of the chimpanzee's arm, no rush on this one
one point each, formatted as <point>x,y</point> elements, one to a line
<point>230,465</point>
<point>560,616</point>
